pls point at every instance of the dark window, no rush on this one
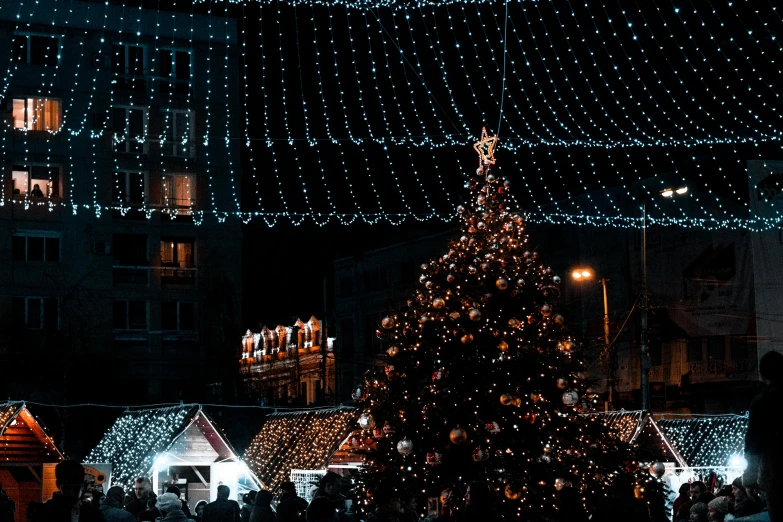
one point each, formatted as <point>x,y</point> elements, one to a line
<point>128,129</point>
<point>303,391</point>
<point>35,248</point>
<point>128,66</point>
<point>178,316</point>
<point>37,50</point>
<point>130,315</point>
<point>375,279</point>
<point>372,323</point>
<point>345,287</point>
<point>187,316</point>
<point>407,272</point>
<point>345,336</point>
<point>716,348</point>
<point>168,316</point>
<point>694,350</point>
<point>656,352</point>
<point>52,249</point>
<point>740,350</point>
<point>36,313</point>
<point>19,248</point>
<point>130,249</point>
<point>174,67</point>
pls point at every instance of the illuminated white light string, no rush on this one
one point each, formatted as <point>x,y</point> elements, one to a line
<point>226,83</point>
<point>248,144</point>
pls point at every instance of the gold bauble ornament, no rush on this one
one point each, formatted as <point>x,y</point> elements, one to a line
<point>535,397</point>
<point>387,323</point>
<point>502,283</point>
<point>506,399</point>
<point>512,491</point>
<point>454,316</point>
<point>514,322</point>
<point>393,350</point>
<point>467,338</point>
<point>458,436</point>
<point>485,267</point>
<point>562,383</point>
<point>450,278</point>
<point>471,269</point>
<point>438,303</point>
<point>559,319</point>
<point>503,346</point>
<point>474,314</point>
<point>546,310</point>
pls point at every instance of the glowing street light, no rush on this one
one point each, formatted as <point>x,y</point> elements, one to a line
<point>581,273</point>
<point>669,192</point>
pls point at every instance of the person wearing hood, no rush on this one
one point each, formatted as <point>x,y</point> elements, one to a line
<point>112,506</point>
<point>262,511</point>
<point>65,506</point>
<point>718,510</point>
<point>170,507</point>
<point>291,507</point>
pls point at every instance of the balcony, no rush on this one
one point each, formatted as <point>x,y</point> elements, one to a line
<point>177,273</point>
<point>130,275</point>
<point>718,370</point>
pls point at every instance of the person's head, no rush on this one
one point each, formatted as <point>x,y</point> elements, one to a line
<point>249,497</point>
<point>330,483</point>
<point>69,478</point>
<point>685,489</point>
<point>175,490</point>
<point>168,502</point>
<point>223,491</point>
<point>738,490</point>
<point>199,509</point>
<point>320,509</point>
<point>696,489</point>
<point>706,497</point>
<point>36,187</point>
<point>771,366</point>
<point>718,508</point>
<point>263,498</point>
<point>699,512</point>
<point>115,496</point>
<point>142,487</point>
<point>288,488</point>
<point>477,494</point>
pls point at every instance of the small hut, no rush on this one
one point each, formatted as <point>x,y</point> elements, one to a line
<point>27,457</point>
<point>175,446</point>
<point>301,446</point>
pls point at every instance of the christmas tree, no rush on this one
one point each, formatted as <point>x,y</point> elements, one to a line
<point>483,381</point>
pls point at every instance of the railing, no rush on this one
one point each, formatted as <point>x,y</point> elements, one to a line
<point>173,273</point>
<point>718,370</point>
<point>177,273</point>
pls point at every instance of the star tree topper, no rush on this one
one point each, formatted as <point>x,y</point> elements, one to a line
<point>485,148</point>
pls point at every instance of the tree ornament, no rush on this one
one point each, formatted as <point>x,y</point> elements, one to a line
<point>393,351</point>
<point>561,483</point>
<point>631,466</point>
<point>503,346</point>
<point>506,399</point>
<point>405,447</point>
<point>434,458</point>
<point>450,278</point>
<point>458,436</point>
<point>467,338</point>
<point>388,428</point>
<point>428,285</point>
<point>471,269</point>
<point>485,267</point>
<point>471,229</point>
<point>480,454</point>
<point>535,397</point>
<point>491,178</point>
<point>493,427</point>
<point>481,225</point>
<point>454,316</point>
<point>445,496</point>
<point>390,371</point>
<point>530,418</point>
<point>562,383</point>
<point>514,322</point>
<point>460,209</point>
<point>657,469</point>
<point>546,310</point>
<point>358,394</point>
<point>512,491</point>
<point>559,319</point>
<point>438,303</point>
<point>439,375</point>
<point>556,280</point>
<point>387,323</point>
<point>474,314</point>
<point>501,283</point>
<point>377,433</point>
<point>366,421</point>
<point>570,398</point>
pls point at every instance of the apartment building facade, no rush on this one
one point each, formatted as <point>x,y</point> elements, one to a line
<point>120,260</point>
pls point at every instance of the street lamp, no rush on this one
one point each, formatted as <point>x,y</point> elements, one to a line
<point>582,274</point>
<point>646,362</point>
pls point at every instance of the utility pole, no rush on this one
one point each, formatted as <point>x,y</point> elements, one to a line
<point>644,354</point>
<point>611,352</point>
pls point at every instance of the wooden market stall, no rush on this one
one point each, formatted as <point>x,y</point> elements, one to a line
<point>28,456</point>
<point>179,445</point>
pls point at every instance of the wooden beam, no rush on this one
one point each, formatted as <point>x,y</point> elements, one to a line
<point>200,476</point>
<point>37,477</point>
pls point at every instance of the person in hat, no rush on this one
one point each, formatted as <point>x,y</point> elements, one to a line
<point>744,504</point>
<point>112,507</point>
<point>718,510</point>
<point>699,512</point>
<point>170,507</point>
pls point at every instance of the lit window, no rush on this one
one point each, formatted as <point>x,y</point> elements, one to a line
<point>36,181</point>
<point>128,125</point>
<point>129,188</point>
<point>178,134</point>
<point>36,49</point>
<point>179,192</point>
<point>37,114</point>
<point>177,253</point>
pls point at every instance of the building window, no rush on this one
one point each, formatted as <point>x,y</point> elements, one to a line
<point>345,287</point>
<point>129,315</point>
<point>37,313</point>
<point>346,337</point>
<point>129,188</point>
<point>128,66</point>
<point>716,348</point>
<point>179,193</point>
<point>130,249</point>
<point>36,50</point>
<point>174,71</point>
<point>177,315</point>
<point>375,279</point>
<point>372,325</point>
<point>694,350</point>
<point>740,348</point>
<point>36,181</point>
<point>178,141</point>
<point>37,114</point>
<point>177,253</point>
<point>36,246</point>
<point>128,124</point>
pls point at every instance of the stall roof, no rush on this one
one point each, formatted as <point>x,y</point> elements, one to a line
<point>298,440</point>
<point>707,441</point>
<point>23,440</point>
<point>138,436</point>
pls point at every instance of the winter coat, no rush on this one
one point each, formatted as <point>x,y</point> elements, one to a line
<point>115,514</point>
<point>174,516</point>
<point>244,513</point>
<point>262,514</point>
<point>60,508</point>
<point>763,450</point>
<point>291,508</point>
<point>221,510</point>
<point>747,507</point>
<point>338,500</point>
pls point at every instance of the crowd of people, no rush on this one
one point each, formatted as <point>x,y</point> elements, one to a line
<point>696,503</point>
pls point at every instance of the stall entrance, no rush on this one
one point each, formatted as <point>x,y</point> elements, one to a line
<point>192,481</point>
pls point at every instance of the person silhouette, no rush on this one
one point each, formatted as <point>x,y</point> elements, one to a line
<point>37,191</point>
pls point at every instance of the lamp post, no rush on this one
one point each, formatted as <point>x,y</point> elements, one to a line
<point>582,274</point>
<point>646,362</point>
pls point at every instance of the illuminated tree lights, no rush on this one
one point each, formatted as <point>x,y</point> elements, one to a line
<point>596,96</point>
<point>483,381</point>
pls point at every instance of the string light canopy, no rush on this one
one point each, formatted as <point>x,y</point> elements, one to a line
<point>586,96</point>
<point>707,441</point>
<point>297,440</point>
<point>23,439</point>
